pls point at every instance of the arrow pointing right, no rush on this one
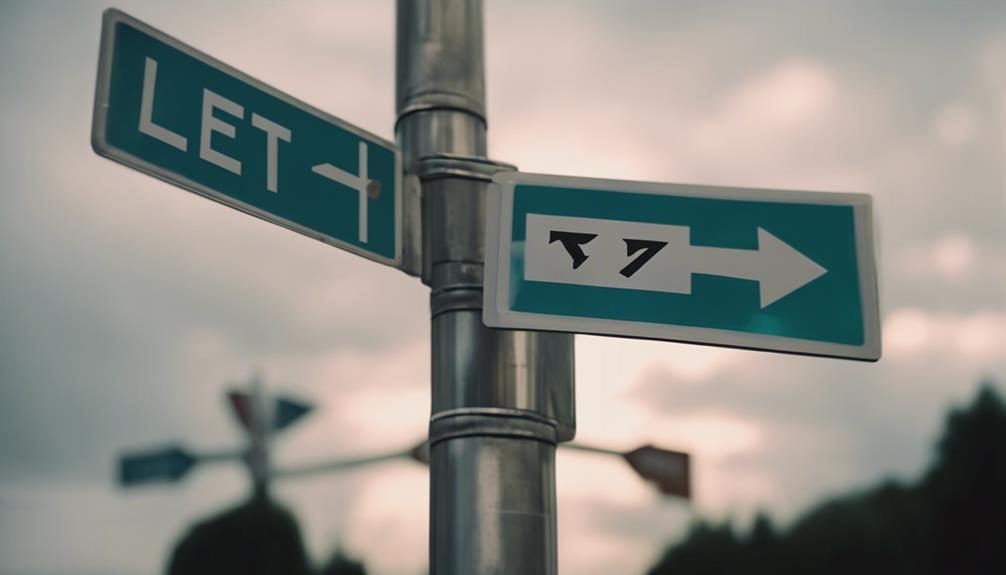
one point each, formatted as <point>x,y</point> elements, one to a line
<point>778,268</point>
<point>288,411</point>
<point>656,257</point>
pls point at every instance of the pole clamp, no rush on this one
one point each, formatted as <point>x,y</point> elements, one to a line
<point>490,421</point>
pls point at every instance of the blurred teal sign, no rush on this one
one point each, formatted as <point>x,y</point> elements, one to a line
<point>761,269</point>
<point>169,464</point>
<point>288,411</point>
<point>285,411</point>
<point>171,111</point>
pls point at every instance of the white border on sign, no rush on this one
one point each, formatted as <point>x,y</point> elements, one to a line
<point>110,18</point>
<point>496,310</point>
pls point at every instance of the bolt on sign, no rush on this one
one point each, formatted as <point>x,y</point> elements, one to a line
<point>761,269</point>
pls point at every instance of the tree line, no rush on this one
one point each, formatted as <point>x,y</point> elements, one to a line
<point>952,520</point>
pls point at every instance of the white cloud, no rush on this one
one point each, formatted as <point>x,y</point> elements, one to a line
<point>953,255</point>
<point>906,330</point>
<point>712,435</point>
<point>389,521</point>
<point>607,369</point>
<point>954,125</point>
<point>618,362</point>
<point>771,109</point>
<point>980,336</point>
<point>591,546</point>
<point>912,334</point>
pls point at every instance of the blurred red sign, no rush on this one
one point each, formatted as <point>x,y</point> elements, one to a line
<point>669,470</point>
<point>241,404</point>
<point>421,453</point>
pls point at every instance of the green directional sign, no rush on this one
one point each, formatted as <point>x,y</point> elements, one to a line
<point>761,269</point>
<point>171,111</point>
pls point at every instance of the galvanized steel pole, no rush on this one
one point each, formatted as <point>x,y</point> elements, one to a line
<point>501,400</point>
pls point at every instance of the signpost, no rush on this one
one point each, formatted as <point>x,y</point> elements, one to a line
<point>171,111</point>
<point>172,463</point>
<point>762,269</point>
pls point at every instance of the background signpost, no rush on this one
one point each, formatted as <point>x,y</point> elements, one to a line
<point>763,269</point>
<point>669,471</point>
<point>260,416</point>
<point>167,109</point>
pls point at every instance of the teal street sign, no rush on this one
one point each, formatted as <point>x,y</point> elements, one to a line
<point>285,411</point>
<point>171,111</point>
<point>288,411</point>
<point>165,465</point>
<point>760,269</point>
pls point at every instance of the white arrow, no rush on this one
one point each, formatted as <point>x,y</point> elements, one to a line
<point>778,268</point>
<point>357,182</point>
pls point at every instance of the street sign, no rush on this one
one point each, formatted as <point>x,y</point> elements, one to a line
<point>166,109</point>
<point>164,465</point>
<point>760,269</point>
<point>669,470</point>
<point>285,412</point>
<point>421,453</point>
<point>288,411</point>
<point>241,406</point>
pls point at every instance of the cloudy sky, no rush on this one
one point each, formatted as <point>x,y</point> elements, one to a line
<point>128,306</point>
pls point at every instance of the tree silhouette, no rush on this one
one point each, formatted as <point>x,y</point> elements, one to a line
<point>952,521</point>
<point>341,564</point>
<point>709,550</point>
<point>966,489</point>
<point>256,538</point>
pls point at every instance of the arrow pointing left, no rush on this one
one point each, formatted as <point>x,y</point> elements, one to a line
<point>163,465</point>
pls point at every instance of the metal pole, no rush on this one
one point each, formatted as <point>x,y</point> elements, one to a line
<point>260,428</point>
<point>594,449</point>
<point>501,399</point>
<point>339,465</point>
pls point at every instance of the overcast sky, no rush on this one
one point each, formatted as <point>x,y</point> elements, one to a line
<point>128,306</point>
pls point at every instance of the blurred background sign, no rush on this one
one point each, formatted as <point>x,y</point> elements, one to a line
<point>669,470</point>
<point>163,465</point>
<point>286,411</point>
